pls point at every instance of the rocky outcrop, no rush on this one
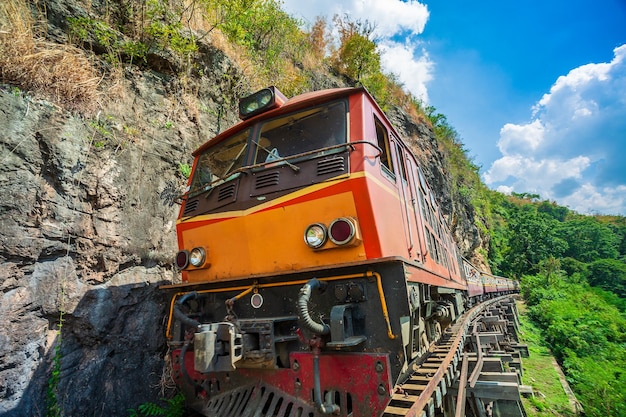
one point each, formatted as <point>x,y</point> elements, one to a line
<point>88,209</point>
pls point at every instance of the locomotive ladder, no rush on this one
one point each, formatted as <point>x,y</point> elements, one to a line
<point>463,374</point>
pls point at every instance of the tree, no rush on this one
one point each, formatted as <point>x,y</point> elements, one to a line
<point>553,210</point>
<point>317,38</point>
<point>357,56</point>
<point>532,238</point>
<point>609,274</point>
<point>589,239</point>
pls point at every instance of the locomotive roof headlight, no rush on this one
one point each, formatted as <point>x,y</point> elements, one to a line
<point>263,100</point>
<point>182,259</point>
<point>342,230</point>
<point>197,257</point>
<point>315,235</point>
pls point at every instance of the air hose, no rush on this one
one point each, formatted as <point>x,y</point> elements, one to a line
<point>188,321</point>
<point>303,308</point>
<point>183,369</point>
<point>179,315</point>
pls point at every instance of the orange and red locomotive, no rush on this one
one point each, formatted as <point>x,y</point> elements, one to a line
<point>316,265</point>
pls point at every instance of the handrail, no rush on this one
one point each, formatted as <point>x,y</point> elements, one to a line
<point>245,169</point>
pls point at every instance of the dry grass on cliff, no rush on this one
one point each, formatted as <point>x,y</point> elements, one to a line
<point>61,72</point>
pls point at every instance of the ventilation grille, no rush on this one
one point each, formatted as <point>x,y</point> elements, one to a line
<point>329,166</point>
<point>229,405</point>
<point>267,180</point>
<point>226,192</point>
<point>190,207</point>
<point>254,401</point>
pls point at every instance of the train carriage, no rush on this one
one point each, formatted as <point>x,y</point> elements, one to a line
<point>316,265</point>
<point>489,283</point>
<point>475,287</point>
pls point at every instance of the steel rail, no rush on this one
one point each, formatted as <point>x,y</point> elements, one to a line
<point>478,368</point>
<point>459,331</point>
<point>460,399</point>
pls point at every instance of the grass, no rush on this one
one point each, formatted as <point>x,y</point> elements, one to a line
<point>29,62</point>
<point>539,372</point>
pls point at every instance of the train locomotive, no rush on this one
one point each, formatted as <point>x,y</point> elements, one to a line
<point>316,265</point>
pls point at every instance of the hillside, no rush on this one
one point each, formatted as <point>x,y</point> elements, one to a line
<point>573,276</point>
<point>101,105</point>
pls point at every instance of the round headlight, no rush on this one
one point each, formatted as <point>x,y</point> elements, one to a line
<point>315,235</point>
<point>196,257</point>
<point>341,231</point>
<point>182,259</point>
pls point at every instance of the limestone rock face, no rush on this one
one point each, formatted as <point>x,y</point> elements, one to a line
<point>87,233</point>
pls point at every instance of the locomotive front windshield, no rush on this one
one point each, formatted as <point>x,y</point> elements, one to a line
<point>217,162</point>
<point>285,138</point>
<point>300,133</point>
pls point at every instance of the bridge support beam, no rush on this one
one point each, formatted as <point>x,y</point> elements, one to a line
<point>475,373</point>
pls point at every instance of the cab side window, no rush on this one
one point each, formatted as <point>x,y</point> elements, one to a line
<point>401,160</point>
<point>382,138</point>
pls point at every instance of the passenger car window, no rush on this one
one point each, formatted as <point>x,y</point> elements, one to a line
<point>400,154</point>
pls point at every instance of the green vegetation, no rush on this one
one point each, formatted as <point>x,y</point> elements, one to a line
<point>184,169</point>
<point>153,26</point>
<point>271,48</point>
<point>173,407</point>
<point>30,63</point>
<point>549,397</point>
<point>467,188</point>
<point>573,274</point>
<point>534,233</point>
<point>272,39</point>
<point>53,408</point>
<point>357,56</point>
<point>586,334</point>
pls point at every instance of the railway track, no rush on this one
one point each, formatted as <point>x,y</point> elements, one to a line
<point>459,376</point>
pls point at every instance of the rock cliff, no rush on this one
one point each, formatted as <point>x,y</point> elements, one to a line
<point>87,215</point>
<point>87,232</point>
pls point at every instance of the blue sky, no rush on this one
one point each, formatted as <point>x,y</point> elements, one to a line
<point>536,89</point>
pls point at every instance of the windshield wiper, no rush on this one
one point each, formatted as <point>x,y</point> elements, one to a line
<point>230,167</point>
<point>277,158</point>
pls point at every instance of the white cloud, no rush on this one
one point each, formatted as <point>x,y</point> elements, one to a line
<point>597,200</point>
<point>414,72</point>
<point>535,174</point>
<point>516,139</point>
<point>391,18</point>
<point>580,78</point>
<point>572,150</point>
